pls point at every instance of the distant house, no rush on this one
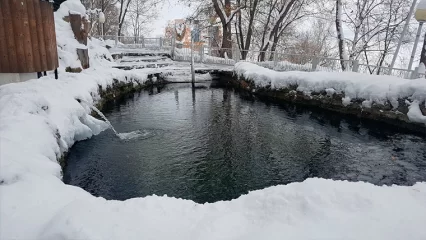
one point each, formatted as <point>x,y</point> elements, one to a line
<point>208,36</point>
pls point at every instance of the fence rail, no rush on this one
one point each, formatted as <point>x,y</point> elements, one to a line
<point>273,60</point>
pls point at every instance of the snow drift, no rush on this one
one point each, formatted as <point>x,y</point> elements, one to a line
<point>370,88</point>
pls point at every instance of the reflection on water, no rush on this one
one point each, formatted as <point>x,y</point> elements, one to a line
<point>213,144</point>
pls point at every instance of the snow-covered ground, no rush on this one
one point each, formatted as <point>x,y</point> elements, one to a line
<point>41,119</point>
<point>371,88</point>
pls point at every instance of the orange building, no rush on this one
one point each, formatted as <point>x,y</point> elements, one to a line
<point>182,29</point>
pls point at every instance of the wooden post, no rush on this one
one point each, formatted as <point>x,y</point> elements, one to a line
<point>40,35</point>
<point>76,22</point>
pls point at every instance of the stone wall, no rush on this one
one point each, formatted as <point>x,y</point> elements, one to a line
<point>333,102</point>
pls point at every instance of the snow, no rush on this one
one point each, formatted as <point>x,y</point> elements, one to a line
<point>41,119</point>
<point>422,5</point>
<point>415,113</point>
<point>184,54</point>
<point>372,88</point>
<point>67,44</point>
<point>185,76</point>
<point>330,91</point>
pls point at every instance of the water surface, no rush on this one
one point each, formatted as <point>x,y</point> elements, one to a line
<point>213,144</point>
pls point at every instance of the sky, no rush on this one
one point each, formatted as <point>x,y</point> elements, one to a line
<point>172,9</point>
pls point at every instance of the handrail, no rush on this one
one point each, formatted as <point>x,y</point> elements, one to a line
<point>275,60</point>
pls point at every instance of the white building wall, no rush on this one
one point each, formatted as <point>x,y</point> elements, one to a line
<point>6,78</point>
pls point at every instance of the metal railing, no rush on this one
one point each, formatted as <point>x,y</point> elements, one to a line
<point>273,60</point>
<point>127,42</point>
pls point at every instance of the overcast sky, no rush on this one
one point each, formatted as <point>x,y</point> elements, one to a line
<point>171,9</point>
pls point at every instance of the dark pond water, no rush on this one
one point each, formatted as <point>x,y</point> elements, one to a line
<point>213,144</point>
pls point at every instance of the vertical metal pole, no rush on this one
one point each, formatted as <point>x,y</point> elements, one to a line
<point>174,41</point>
<point>201,53</point>
<point>355,66</point>
<point>192,60</point>
<point>415,73</point>
<point>315,62</point>
<point>404,31</point>
<point>413,53</point>
<point>275,59</point>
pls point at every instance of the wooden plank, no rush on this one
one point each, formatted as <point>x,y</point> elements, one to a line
<point>75,21</point>
<point>27,36</point>
<point>16,9</point>
<point>35,47</point>
<point>40,36</point>
<point>10,37</point>
<point>4,57</point>
<point>45,7</point>
<point>52,33</point>
<point>28,50</point>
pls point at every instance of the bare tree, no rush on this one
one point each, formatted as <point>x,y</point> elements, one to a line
<point>124,8</point>
<point>251,10</point>
<point>110,10</point>
<point>377,26</point>
<point>226,12</point>
<point>340,36</point>
<point>140,13</point>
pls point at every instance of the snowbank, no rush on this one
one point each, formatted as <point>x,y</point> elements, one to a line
<point>67,44</point>
<point>370,88</point>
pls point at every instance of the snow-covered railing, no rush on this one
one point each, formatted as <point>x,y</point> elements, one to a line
<point>397,72</point>
<point>274,60</point>
<point>202,55</point>
<point>130,42</point>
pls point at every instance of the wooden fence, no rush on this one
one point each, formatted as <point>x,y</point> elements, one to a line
<point>27,37</point>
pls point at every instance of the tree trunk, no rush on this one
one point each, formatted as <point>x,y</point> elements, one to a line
<point>340,36</point>
<point>275,32</point>
<point>226,25</point>
<point>246,46</point>
<point>226,41</point>
<point>122,16</point>
<point>262,55</point>
<point>423,57</point>
<point>274,45</point>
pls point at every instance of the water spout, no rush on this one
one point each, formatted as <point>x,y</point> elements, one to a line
<point>106,120</point>
<point>122,136</point>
